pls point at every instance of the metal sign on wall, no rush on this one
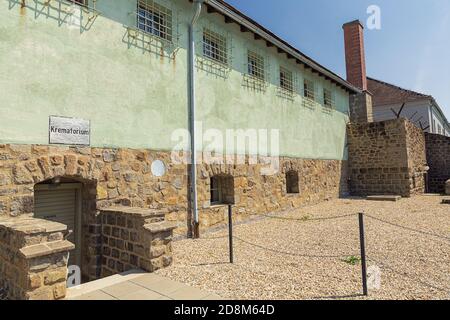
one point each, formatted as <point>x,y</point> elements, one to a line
<point>69,131</point>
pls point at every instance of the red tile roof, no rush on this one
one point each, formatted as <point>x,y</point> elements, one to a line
<point>385,93</point>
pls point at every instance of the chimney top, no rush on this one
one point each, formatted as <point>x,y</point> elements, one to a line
<point>354,54</point>
<point>352,23</point>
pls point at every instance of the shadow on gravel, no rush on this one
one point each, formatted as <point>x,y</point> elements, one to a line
<point>339,297</point>
<point>209,264</point>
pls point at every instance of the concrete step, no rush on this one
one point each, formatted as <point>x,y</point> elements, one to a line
<point>92,286</point>
<point>391,198</point>
<point>139,286</point>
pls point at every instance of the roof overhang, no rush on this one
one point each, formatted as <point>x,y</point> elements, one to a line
<point>232,15</point>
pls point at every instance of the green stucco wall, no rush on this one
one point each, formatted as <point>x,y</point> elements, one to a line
<point>136,98</point>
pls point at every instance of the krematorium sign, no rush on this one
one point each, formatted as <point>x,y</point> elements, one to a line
<point>69,131</point>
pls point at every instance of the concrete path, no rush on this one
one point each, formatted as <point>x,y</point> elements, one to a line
<point>137,285</point>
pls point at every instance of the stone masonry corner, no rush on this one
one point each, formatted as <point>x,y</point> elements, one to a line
<point>33,259</point>
<point>135,238</point>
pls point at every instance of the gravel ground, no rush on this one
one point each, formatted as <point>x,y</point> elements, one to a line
<point>305,258</point>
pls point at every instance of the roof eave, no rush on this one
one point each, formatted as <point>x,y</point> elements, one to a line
<point>243,20</point>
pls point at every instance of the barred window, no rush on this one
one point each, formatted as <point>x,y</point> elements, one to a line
<point>222,190</point>
<point>215,46</point>
<point>216,195</point>
<point>286,80</point>
<point>80,2</point>
<point>256,65</point>
<point>154,19</point>
<point>328,99</point>
<point>292,182</point>
<point>308,90</point>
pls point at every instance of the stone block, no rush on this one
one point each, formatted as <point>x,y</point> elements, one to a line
<point>167,261</point>
<point>34,281</point>
<point>157,251</point>
<point>44,293</point>
<point>70,162</point>
<point>391,198</point>
<point>4,180</point>
<point>22,175</point>
<point>55,276</point>
<point>101,193</point>
<point>59,291</point>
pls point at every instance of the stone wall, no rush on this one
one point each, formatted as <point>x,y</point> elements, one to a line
<point>386,158</point>
<point>33,259</point>
<point>112,177</point>
<point>109,177</point>
<point>135,238</point>
<point>254,193</point>
<point>438,156</point>
<point>417,158</point>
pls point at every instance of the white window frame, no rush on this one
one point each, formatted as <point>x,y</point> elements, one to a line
<point>155,19</point>
<point>329,102</point>
<point>287,84</point>
<point>215,47</point>
<point>309,93</point>
<point>256,65</point>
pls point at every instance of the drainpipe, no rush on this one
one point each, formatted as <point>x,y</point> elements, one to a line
<point>192,128</point>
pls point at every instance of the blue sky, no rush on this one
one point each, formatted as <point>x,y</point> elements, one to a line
<point>412,49</point>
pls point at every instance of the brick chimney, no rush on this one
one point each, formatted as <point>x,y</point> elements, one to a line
<point>360,104</point>
<point>354,54</point>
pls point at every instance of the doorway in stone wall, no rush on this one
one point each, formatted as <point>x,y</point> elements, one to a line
<point>60,200</point>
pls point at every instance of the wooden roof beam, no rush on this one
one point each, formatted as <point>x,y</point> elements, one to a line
<point>210,9</point>
<point>244,29</point>
<point>228,19</point>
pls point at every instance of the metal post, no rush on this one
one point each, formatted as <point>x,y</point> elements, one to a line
<point>230,231</point>
<point>363,253</point>
<point>427,184</point>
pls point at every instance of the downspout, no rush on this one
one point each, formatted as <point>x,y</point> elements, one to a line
<point>192,128</point>
<point>430,118</point>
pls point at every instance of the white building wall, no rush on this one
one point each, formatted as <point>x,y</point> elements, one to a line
<point>416,112</point>
<point>440,125</point>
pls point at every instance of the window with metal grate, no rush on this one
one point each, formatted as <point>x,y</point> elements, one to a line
<point>215,47</point>
<point>79,2</point>
<point>328,99</point>
<point>256,67</point>
<point>309,90</point>
<point>154,19</point>
<point>286,80</point>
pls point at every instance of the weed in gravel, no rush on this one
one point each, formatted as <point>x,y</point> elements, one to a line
<point>352,260</point>
<point>305,218</point>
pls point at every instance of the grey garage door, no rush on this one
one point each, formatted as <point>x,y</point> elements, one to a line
<point>60,204</point>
